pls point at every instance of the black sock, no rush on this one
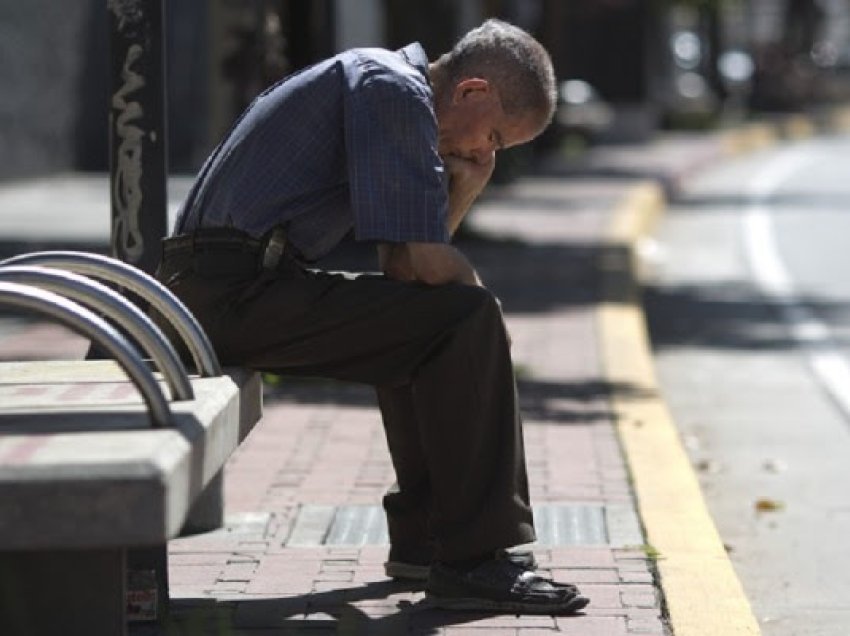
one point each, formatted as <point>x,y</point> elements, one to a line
<point>470,563</point>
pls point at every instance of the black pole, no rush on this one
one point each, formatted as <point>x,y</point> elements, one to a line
<point>138,170</point>
<point>138,139</point>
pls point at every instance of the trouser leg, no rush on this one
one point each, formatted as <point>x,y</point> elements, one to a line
<point>446,343</point>
<point>465,396</point>
<point>407,502</point>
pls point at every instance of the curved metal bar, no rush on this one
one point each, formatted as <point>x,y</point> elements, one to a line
<point>107,301</point>
<point>90,325</point>
<point>137,281</point>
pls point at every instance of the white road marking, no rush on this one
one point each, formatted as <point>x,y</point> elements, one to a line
<point>771,275</point>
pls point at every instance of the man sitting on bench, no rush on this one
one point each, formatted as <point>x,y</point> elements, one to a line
<point>397,149</point>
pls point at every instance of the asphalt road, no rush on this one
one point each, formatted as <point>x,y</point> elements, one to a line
<point>748,302</point>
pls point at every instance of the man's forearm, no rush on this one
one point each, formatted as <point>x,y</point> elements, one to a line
<point>467,179</point>
<point>430,263</point>
<point>459,205</point>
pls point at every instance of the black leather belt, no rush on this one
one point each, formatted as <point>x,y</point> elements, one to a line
<point>227,250</point>
<point>212,238</point>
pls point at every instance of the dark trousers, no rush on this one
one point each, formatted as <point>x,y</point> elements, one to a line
<point>440,361</point>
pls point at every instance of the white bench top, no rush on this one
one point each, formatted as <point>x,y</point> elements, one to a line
<point>80,465</point>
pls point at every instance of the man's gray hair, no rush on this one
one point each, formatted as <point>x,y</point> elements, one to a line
<point>513,60</point>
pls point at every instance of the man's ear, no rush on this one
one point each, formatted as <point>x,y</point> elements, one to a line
<point>471,88</point>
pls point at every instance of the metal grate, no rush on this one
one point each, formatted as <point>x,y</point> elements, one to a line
<point>570,525</point>
<point>556,524</point>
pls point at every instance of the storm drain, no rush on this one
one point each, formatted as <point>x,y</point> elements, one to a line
<point>556,524</point>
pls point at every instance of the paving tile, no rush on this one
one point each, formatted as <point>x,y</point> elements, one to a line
<point>584,575</point>
<point>475,630</point>
<point>582,557</point>
<point>591,626</point>
<point>482,622</point>
<point>646,600</point>
<point>238,571</point>
<point>219,559</point>
<point>637,626</point>
<point>637,577</point>
<point>202,576</point>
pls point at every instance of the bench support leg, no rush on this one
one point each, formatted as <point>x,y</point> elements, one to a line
<point>207,513</point>
<point>147,576</point>
<point>54,591</point>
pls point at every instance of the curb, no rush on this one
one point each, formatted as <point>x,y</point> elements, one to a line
<point>702,595</point>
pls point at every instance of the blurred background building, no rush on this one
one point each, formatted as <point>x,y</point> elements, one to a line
<point>628,67</point>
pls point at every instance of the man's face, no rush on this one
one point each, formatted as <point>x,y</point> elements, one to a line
<point>472,124</point>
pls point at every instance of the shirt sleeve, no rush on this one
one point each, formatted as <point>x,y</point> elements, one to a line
<point>396,176</point>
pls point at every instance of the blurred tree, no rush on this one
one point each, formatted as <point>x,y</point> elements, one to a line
<point>433,24</point>
<point>307,29</point>
<point>256,56</point>
<point>785,76</point>
<point>254,43</point>
<point>802,23</point>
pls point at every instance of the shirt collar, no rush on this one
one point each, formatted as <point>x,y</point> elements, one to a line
<point>415,55</point>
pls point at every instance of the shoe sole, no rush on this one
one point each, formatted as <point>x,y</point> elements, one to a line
<point>575,604</point>
<point>406,571</point>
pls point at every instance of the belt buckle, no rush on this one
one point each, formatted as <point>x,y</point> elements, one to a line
<point>274,249</point>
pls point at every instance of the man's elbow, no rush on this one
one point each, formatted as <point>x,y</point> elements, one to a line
<point>434,275</point>
<point>439,264</point>
<point>397,271</point>
<point>406,273</point>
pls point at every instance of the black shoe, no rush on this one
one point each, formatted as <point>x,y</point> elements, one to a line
<point>417,567</point>
<point>500,586</point>
<point>409,565</point>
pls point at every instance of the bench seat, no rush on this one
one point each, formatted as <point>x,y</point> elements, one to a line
<point>84,477</point>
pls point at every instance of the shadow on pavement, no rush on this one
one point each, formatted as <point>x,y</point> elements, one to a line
<point>573,402</point>
<point>580,402</point>
<point>317,613</point>
<point>725,316</point>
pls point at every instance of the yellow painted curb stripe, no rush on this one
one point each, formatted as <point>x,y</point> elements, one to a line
<point>840,119</point>
<point>797,127</point>
<point>702,592</point>
<point>750,138</point>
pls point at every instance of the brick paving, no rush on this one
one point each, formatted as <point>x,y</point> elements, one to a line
<point>321,446</point>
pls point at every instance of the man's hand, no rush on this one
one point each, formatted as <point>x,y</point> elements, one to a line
<point>467,179</point>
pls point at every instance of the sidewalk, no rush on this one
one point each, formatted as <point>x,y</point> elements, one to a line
<point>304,544</point>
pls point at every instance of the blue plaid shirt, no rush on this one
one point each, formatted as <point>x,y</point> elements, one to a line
<point>349,142</point>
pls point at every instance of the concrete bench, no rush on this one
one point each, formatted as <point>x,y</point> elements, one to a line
<point>84,479</point>
<point>98,471</point>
